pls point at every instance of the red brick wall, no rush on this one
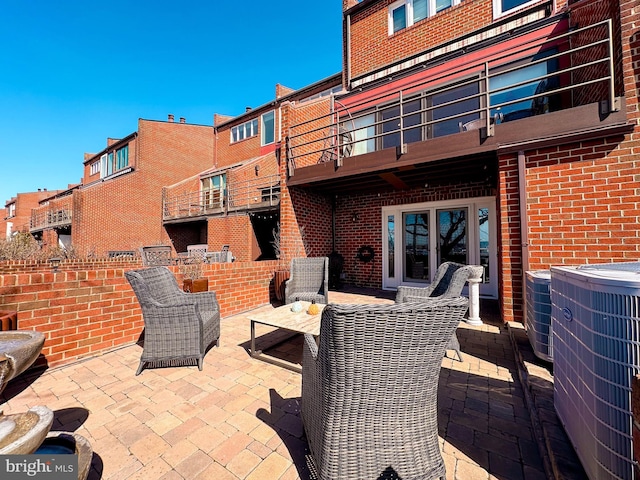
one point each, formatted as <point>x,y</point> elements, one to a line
<point>125,212</point>
<point>228,153</point>
<point>24,202</point>
<point>314,131</point>
<point>367,229</point>
<point>372,48</point>
<point>510,289</point>
<point>87,311</point>
<point>235,231</point>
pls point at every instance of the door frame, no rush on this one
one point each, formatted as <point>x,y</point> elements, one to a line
<point>488,289</point>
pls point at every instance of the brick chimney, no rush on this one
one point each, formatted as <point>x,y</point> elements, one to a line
<point>170,117</point>
<point>347,4</point>
<point>183,120</point>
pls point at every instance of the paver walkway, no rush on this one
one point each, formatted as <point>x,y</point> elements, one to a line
<point>239,417</point>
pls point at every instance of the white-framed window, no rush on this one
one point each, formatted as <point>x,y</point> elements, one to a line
<point>267,128</point>
<point>103,166</point>
<point>111,162</point>
<point>404,13</point>
<point>504,7</point>
<point>244,130</point>
<point>12,210</point>
<point>212,189</point>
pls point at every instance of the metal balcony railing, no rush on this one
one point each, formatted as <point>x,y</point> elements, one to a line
<point>254,194</point>
<point>546,73</point>
<point>50,219</point>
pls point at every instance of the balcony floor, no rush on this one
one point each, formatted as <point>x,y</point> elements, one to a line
<point>239,417</point>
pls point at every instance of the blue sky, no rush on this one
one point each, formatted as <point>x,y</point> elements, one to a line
<point>74,73</point>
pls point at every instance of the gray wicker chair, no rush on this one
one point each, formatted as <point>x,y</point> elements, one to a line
<point>308,280</point>
<point>369,389</point>
<point>178,326</point>
<point>448,282</point>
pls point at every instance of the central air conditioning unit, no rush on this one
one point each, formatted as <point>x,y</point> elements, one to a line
<point>596,353</point>
<point>538,314</point>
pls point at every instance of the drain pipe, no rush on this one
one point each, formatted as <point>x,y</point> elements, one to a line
<point>524,225</point>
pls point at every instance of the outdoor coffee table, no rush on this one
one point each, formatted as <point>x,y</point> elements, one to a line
<point>283,317</point>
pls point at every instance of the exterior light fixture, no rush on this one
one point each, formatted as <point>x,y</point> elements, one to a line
<point>55,263</point>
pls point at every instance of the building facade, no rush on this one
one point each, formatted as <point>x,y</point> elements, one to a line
<point>495,132</point>
<point>118,206</point>
<point>236,201</point>
<point>17,211</point>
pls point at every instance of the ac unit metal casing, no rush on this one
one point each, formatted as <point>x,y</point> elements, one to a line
<point>538,313</point>
<point>596,352</point>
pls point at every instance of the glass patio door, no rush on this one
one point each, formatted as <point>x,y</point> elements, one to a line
<point>452,236</point>
<point>418,238</point>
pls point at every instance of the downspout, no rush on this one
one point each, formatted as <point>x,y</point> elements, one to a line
<point>279,122</point>
<point>348,54</point>
<point>524,227</point>
<point>524,224</point>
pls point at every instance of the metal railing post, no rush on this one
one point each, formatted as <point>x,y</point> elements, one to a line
<point>613,105</point>
<point>487,103</point>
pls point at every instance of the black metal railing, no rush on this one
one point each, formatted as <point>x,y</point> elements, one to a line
<point>258,193</point>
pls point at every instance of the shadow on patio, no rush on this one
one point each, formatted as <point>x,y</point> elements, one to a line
<point>239,417</point>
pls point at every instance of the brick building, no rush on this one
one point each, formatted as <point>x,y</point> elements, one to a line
<point>236,200</point>
<point>118,206</point>
<point>493,132</point>
<point>17,212</point>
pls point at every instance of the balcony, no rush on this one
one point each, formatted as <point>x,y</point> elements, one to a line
<point>533,89</point>
<point>43,219</point>
<point>257,194</point>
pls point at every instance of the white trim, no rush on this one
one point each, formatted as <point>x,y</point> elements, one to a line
<point>497,8</point>
<point>263,128</point>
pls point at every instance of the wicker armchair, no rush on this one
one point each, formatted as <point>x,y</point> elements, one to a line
<point>178,326</point>
<point>369,389</point>
<point>448,282</point>
<point>308,280</point>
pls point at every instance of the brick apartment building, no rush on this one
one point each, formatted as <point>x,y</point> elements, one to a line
<point>17,212</point>
<point>495,132</point>
<point>118,206</point>
<point>236,201</point>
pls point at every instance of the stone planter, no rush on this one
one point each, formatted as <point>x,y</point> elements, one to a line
<point>8,320</point>
<point>195,285</point>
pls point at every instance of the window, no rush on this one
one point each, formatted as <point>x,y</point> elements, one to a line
<point>267,128</point>
<point>502,7</point>
<point>122,157</point>
<point>404,13</point>
<point>111,162</point>
<point>427,115</point>
<point>244,130</point>
<point>213,191</point>
<point>443,111</point>
<point>504,100</point>
<point>12,210</point>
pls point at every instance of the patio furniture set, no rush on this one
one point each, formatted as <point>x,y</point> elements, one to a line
<point>369,372</point>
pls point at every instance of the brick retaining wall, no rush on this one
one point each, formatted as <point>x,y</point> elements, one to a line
<point>88,308</point>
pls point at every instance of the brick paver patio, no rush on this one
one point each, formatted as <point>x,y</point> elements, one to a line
<point>239,417</point>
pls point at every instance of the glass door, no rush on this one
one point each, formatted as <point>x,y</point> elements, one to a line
<point>415,227</point>
<point>452,236</point>
<point>417,238</point>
